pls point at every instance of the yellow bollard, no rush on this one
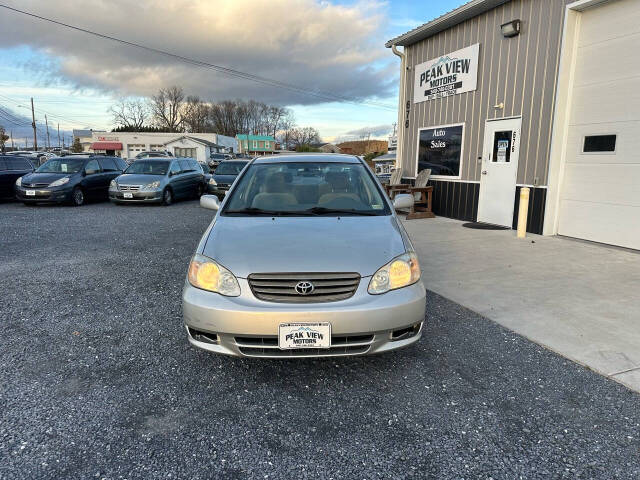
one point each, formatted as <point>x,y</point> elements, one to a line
<point>523,212</point>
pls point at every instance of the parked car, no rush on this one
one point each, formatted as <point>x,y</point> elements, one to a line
<point>158,180</point>
<point>216,158</point>
<point>224,176</point>
<point>12,167</point>
<point>73,179</point>
<point>153,154</point>
<point>306,257</point>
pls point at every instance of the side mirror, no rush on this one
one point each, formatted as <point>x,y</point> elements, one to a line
<point>210,202</point>
<point>402,201</point>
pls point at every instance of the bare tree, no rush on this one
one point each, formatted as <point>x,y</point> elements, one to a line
<point>167,107</point>
<point>131,114</point>
<point>195,115</point>
<point>303,136</point>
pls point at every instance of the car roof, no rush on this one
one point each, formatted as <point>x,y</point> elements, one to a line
<point>308,157</point>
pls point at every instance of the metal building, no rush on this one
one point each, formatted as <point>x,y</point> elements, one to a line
<point>500,94</point>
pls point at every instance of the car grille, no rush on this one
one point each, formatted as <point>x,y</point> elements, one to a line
<point>281,287</point>
<point>340,345</point>
<point>129,188</point>
<point>223,186</point>
<point>35,185</point>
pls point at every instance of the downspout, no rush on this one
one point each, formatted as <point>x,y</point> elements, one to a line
<point>401,99</point>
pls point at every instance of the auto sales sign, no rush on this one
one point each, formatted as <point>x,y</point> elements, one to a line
<point>451,74</point>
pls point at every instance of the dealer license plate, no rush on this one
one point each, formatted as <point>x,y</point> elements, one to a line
<point>127,195</point>
<point>304,335</point>
<point>30,193</point>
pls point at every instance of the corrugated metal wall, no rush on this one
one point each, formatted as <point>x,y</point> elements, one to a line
<point>519,71</point>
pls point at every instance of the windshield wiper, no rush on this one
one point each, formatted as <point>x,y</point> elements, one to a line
<point>260,211</point>
<point>339,211</point>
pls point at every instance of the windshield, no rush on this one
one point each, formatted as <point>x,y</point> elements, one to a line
<point>306,189</point>
<point>61,165</point>
<point>148,167</point>
<point>230,168</point>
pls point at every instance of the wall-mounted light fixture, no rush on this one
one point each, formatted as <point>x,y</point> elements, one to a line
<point>510,29</point>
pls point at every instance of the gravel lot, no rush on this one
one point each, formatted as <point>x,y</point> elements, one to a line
<point>99,381</point>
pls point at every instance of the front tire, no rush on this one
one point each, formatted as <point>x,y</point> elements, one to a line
<point>167,196</point>
<point>77,197</point>
<point>200,191</point>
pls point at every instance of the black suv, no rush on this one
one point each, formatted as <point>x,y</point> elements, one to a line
<point>12,167</point>
<point>73,179</point>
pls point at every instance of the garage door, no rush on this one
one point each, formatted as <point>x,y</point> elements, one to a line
<point>600,197</point>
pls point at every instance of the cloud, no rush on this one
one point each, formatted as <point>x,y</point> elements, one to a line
<point>376,131</point>
<point>317,45</point>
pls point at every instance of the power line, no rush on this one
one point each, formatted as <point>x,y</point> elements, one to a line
<point>225,70</point>
<point>68,119</point>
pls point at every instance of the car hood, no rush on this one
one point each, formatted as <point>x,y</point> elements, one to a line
<point>43,177</point>
<point>248,245</point>
<point>224,178</point>
<point>138,179</point>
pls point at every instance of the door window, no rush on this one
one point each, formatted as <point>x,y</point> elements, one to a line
<point>92,167</point>
<point>108,165</point>
<point>502,142</point>
<point>185,166</point>
<point>175,168</point>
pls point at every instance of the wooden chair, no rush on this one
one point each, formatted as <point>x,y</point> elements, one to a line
<point>394,184</point>
<point>422,196</point>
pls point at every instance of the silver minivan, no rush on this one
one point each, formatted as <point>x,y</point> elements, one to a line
<point>305,257</point>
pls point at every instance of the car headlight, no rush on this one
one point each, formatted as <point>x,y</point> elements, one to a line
<point>212,182</point>
<point>151,186</point>
<point>59,182</point>
<point>113,184</point>
<point>399,272</point>
<point>19,181</point>
<point>209,275</point>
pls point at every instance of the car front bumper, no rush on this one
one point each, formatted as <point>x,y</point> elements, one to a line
<point>117,196</point>
<point>361,325</point>
<point>43,195</point>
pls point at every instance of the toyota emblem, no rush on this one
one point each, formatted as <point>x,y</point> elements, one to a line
<point>304,288</point>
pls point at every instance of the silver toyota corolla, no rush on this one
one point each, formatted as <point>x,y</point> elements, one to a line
<point>305,257</point>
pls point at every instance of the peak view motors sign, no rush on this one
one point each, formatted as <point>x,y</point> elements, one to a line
<point>451,74</point>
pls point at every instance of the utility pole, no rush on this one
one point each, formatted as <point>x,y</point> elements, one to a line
<point>12,146</point>
<point>58,136</point>
<point>33,124</point>
<point>48,138</point>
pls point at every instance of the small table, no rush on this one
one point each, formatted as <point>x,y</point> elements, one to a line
<point>421,209</point>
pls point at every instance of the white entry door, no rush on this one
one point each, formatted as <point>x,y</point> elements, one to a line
<point>499,171</point>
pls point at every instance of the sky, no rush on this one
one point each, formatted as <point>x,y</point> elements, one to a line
<point>323,46</point>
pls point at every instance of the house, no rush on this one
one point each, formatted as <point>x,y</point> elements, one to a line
<point>256,144</point>
<point>193,147</point>
<point>326,147</point>
<point>498,95</point>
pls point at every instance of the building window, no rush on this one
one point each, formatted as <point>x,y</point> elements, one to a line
<point>440,149</point>
<point>255,144</point>
<point>599,144</point>
<point>266,145</point>
<point>185,152</point>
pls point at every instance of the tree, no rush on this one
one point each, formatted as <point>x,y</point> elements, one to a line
<point>167,107</point>
<point>195,115</point>
<point>76,147</point>
<point>303,136</point>
<point>3,137</point>
<point>129,114</point>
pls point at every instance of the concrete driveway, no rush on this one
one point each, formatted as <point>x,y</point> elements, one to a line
<point>579,299</point>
